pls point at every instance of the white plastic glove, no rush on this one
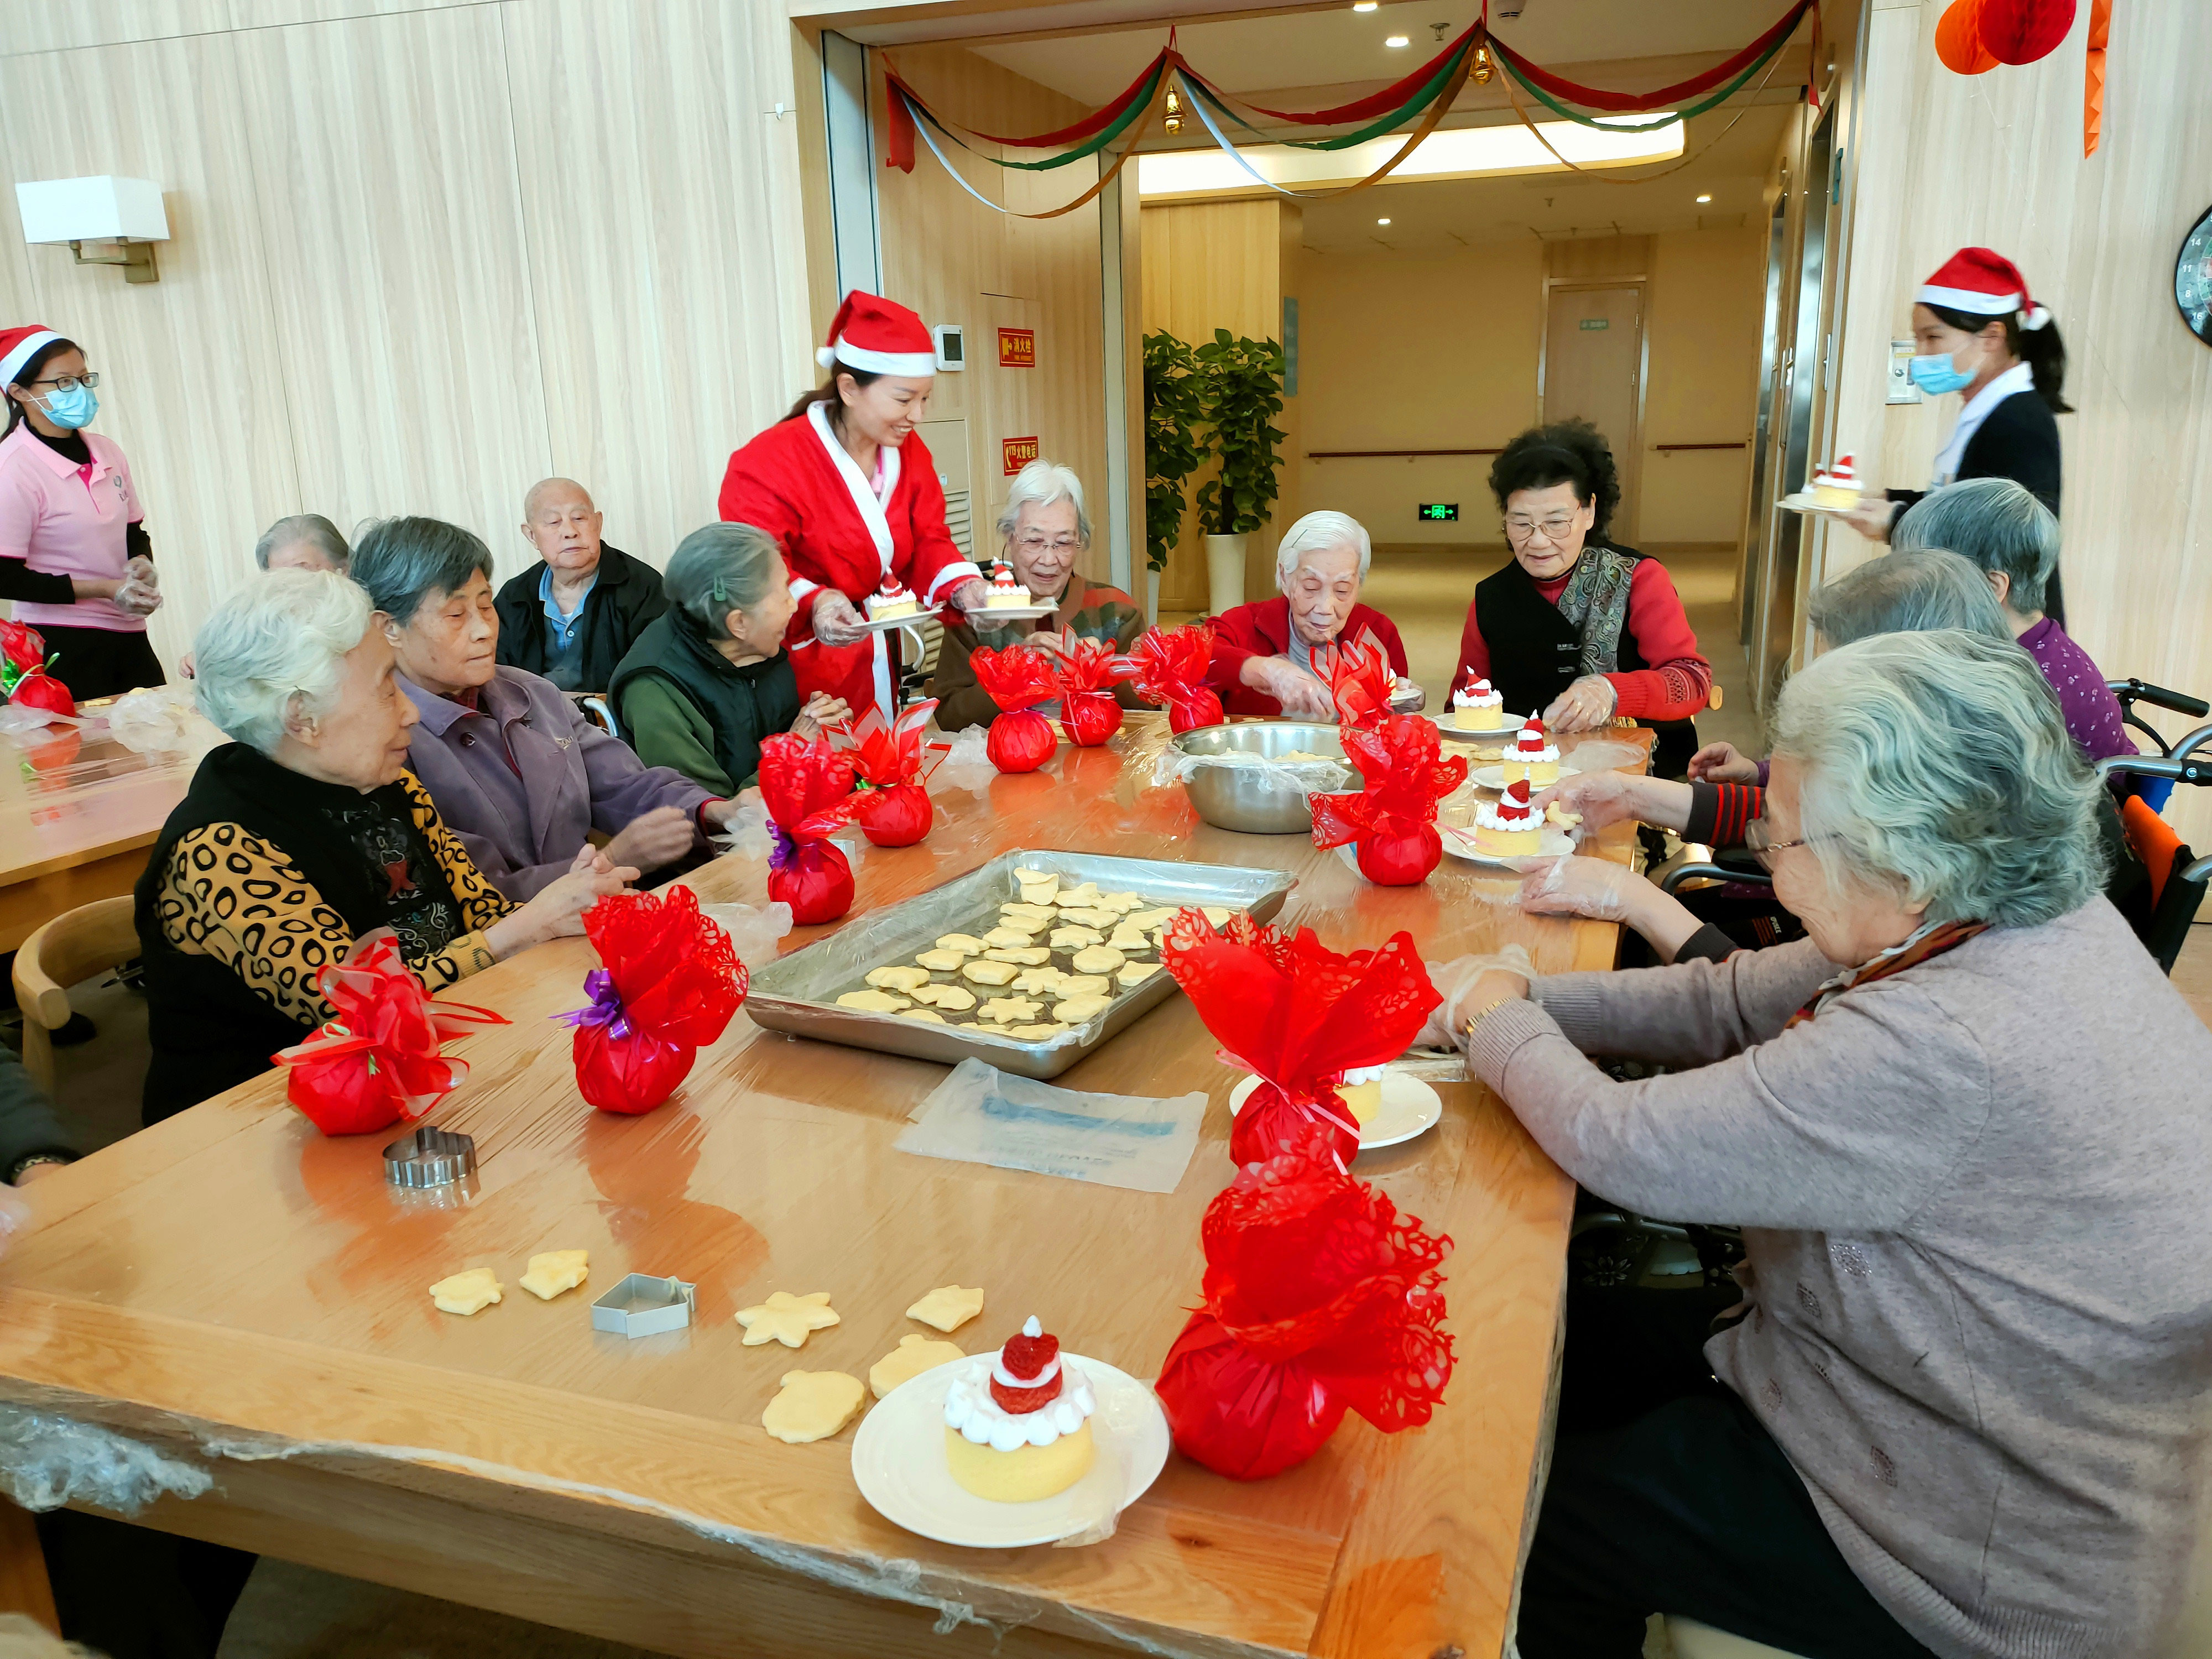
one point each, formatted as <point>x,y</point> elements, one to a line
<point>1456,980</point>
<point>1596,888</point>
<point>835,621</point>
<point>1603,799</point>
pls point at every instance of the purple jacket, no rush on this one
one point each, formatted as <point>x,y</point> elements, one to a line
<point>2092,713</point>
<point>524,823</point>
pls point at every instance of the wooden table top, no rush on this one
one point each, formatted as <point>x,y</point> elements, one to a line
<point>68,799</point>
<point>232,1275</point>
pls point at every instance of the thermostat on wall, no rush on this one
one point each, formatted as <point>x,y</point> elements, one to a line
<point>952,345</point>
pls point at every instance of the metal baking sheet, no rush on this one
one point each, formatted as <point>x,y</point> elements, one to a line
<point>798,993</point>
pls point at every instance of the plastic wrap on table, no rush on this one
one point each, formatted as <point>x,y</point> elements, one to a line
<point>47,1460</point>
<point>1309,778</point>
<point>1607,754</point>
<point>755,932</point>
<point>966,763</point>
<point>980,1115</point>
<point>745,832</point>
<point>159,719</point>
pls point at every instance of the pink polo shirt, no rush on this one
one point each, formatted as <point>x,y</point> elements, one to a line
<point>68,520</point>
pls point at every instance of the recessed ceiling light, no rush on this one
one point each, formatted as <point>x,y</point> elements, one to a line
<point>1704,198</point>
<point>1382,222</point>
<point>1363,5</point>
<point>1396,40</point>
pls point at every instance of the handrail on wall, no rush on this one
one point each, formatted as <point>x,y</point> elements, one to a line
<point>1391,454</point>
<point>1740,443</point>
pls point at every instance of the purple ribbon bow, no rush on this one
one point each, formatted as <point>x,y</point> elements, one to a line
<point>607,1006</point>
<point>782,848</point>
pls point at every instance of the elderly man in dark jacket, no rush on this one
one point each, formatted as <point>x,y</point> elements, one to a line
<point>572,616</point>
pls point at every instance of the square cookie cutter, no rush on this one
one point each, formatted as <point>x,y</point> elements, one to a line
<point>643,1305</point>
<point>430,1158</point>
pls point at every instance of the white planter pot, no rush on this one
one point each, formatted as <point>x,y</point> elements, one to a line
<point>1224,573</point>
<point>1152,595</point>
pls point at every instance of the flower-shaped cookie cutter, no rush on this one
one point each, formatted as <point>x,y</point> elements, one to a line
<point>430,1158</point>
<point>644,1305</point>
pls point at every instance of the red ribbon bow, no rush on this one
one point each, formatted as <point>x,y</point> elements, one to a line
<point>1021,739</point>
<point>892,808</point>
<point>1393,816</point>
<point>378,1063</point>
<point>1171,668</point>
<point>1087,671</point>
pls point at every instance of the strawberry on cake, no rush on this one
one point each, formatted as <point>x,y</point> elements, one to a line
<point>1532,758</point>
<point>893,599</point>
<point>1476,707</point>
<point>1006,593</point>
<point>1018,1422</point>
<point>1839,486</point>
<point>1509,828</point>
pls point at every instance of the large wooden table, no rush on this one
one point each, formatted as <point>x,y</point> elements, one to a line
<point>231,1280</point>
<point>78,814</point>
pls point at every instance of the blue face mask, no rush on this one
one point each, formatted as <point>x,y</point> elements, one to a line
<point>1938,374</point>
<point>72,408</point>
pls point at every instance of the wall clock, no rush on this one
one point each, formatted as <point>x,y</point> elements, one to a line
<point>2192,279</point>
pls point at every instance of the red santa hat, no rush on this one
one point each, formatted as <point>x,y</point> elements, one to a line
<point>879,335</point>
<point>19,345</point>
<point>1982,283</point>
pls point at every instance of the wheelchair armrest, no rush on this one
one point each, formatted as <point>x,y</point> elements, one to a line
<point>1681,872</point>
<point>2198,871</point>
<point>2180,766</point>
<point>2131,691</point>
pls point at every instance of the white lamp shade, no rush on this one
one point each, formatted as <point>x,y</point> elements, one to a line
<point>99,209</point>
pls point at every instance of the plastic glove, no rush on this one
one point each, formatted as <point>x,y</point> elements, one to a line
<point>1603,799</point>
<point>1300,695</point>
<point>835,621</point>
<point>1596,888</point>
<point>142,567</point>
<point>136,598</point>
<point>1584,706</point>
<point>1456,980</point>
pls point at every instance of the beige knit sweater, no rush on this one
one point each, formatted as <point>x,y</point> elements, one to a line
<point>1976,1198</point>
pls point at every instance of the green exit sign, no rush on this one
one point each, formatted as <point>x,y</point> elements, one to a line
<point>1597,322</point>
<point>1438,512</point>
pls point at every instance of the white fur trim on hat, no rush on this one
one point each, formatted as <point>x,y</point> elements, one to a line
<point>26,349</point>
<point>1971,300</point>
<point>2033,317</point>
<point>880,362</point>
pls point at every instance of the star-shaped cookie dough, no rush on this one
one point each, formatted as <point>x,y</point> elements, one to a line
<point>948,1307</point>
<point>1005,1010</point>
<point>786,1318</point>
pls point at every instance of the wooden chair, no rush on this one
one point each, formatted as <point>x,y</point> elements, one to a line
<point>74,946</point>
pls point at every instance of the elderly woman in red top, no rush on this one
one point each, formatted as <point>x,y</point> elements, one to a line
<point>852,496</point>
<point>1265,652</point>
<point>1576,628</point>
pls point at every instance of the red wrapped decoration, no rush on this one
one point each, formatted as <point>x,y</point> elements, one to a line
<point>378,1063</point>
<point>1361,681</point>
<point>23,678</point>
<point>1171,666</point>
<point>893,809</point>
<point>1393,819</point>
<point>1086,673</point>
<point>807,789</point>
<point>1319,1298</point>
<point>1297,1016</point>
<point>671,983</point>
<point>1021,739</point>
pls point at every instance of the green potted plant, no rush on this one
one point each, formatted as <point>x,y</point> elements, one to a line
<point>1173,412</point>
<point>1243,382</point>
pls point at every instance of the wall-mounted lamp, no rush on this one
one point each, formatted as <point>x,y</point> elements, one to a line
<point>127,212</point>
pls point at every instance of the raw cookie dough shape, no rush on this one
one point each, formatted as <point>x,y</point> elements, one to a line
<point>966,944</point>
<point>1036,1033</point>
<point>813,1406</point>
<point>1027,955</point>
<point>988,973</point>
<point>1012,935</point>
<point>1136,973</point>
<point>957,998</point>
<point>948,1307</point>
<point>897,978</point>
<point>872,1002</point>
<point>467,1292</point>
<point>1075,938</point>
<point>1083,985</point>
<point>1101,920</point>
<point>1123,903</point>
<point>1035,878</point>
<point>1005,1010</point>
<point>786,1318</point>
<point>554,1270</point>
<point>926,1016</point>
<point>1077,1009</point>
<point>1039,979</point>
<point>944,961</point>
<point>1125,938</point>
<point>915,1354</point>
<point>1096,959</point>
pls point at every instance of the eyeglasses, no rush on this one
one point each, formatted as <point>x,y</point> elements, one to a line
<point>1759,840</point>
<point>1555,530</point>
<point>71,382</point>
<point>1034,545</point>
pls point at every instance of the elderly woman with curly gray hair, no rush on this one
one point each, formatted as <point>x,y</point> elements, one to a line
<point>1959,1409</point>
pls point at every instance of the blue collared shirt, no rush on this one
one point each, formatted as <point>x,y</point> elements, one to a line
<point>564,653</point>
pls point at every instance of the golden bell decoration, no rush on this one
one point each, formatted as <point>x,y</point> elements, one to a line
<point>1482,69</point>
<point>1174,123</point>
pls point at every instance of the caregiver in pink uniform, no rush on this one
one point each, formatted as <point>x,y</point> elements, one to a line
<point>75,563</point>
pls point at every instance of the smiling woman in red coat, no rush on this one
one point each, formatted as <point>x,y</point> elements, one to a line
<point>852,496</point>
<point>1264,661</point>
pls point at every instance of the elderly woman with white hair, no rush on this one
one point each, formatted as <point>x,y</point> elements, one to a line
<point>1959,1409</point>
<point>2000,526</point>
<point>1044,534</point>
<point>301,836</point>
<point>1271,656</point>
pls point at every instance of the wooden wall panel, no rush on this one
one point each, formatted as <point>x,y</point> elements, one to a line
<point>1996,159</point>
<point>393,218</point>
<point>272,13</point>
<point>193,387</point>
<point>33,25</point>
<point>667,312</point>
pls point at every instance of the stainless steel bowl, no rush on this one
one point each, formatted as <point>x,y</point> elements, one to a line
<point>1248,798</point>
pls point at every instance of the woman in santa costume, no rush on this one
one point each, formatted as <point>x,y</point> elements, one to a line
<point>851,494</point>
<point>1981,336</point>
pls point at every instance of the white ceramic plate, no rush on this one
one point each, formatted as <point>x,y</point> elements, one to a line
<point>1803,502</point>
<point>899,1463</point>
<point>1556,843</point>
<point>1010,613</point>
<point>912,619</point>
<point>1500,735</point>
<point>1493,777</point>
<point>1409,1108</point>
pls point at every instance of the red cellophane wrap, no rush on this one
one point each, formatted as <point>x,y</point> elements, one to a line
<point>1360,681</point>
<point>1319,1298</point>
<point>377,1064</point>
<point>1021,739</point>
<point>1171,668</point>
<point>671,983</point>
<point>1086,673</point>
<point>1298,1016</point>
<point>1394,818</point>
<point>893,809</point>
<point>23,677</point>
<point>807,789</point>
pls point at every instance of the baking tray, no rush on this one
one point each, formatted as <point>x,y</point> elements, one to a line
<point>798,993</point>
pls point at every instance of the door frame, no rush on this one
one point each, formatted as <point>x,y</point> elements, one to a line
<point>1751,568</point>
<point>1630,464</point>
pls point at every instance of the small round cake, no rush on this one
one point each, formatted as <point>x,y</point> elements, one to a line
<point>1532,758</point>
<point>893,599</point>
<point>1018,1422</point>
<point>1361,1091</point>
<point>1509,828</point>
<point>1006,593</point>
<point>1476,707</point>
<point>1839,486</point>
